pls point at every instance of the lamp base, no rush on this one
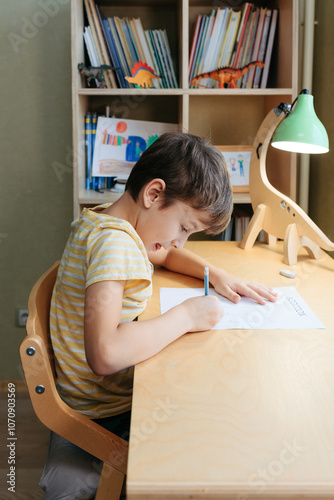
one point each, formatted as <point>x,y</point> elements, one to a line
<point>292,241</point>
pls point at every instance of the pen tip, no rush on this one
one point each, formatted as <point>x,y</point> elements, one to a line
<point>206,270</point>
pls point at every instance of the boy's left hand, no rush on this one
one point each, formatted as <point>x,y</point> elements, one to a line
<point>232,288</point>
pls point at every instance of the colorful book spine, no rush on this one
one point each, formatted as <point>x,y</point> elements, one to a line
<point>88,147</point>
<point>264,79</point>
<point>96,181</point>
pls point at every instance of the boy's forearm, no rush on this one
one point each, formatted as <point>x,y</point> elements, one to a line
<point>136,341</point>
<point>186,262</point>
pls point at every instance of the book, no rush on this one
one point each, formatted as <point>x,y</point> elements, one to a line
<point>161,55</point>
<point>130,62</point>
<point>126,70</point>
<point>90,46</point>
<point>216,39</point>
<point>129,41</point>
<point>226,52</point>
<point>199,47</point>
<point>194,44</point>
<point>134,30</point>
<point>100,42</point>
<point>236,57</point>
<point>249,42</point>
<point>206,40</point>
<point>119,71</point>
<point>256,48</point>
<point>163,34</point>
<point>88,150</point>
<point>263,45</point>
<point>269,50</point>
<point>148,54</point>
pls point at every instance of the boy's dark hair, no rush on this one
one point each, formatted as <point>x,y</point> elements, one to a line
<point>194,171</point>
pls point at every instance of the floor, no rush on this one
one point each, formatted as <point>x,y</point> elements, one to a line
<point>30,447</point>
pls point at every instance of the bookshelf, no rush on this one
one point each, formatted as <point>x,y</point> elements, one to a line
<point>225,116</point>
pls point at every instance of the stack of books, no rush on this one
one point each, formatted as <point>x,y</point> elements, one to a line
<point>121,43</point>
<point>234,38</point>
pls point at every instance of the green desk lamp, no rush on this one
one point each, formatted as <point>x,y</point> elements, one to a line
<point>275,213</point>
<point>302,131</point>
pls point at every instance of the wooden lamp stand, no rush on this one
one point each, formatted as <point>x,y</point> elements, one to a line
<point>275,213</point>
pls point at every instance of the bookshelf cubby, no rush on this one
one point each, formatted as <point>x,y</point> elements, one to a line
<point>225,116</point>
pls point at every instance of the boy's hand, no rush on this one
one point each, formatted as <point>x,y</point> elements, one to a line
<point>204,312</point>
<point>232,287</point>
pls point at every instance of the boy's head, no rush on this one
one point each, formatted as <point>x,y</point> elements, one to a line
<point>194,172</point>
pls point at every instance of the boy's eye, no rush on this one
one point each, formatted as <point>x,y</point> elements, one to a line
<point>184,229</point>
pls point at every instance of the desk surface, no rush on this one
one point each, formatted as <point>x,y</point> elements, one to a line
<point>239,414</point>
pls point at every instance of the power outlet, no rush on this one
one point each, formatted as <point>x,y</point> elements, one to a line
<point>21,316</point>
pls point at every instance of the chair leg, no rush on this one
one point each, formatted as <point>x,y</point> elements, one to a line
<point>110,484</point>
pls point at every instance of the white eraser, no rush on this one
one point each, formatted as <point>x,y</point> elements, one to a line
<point>287,273</point>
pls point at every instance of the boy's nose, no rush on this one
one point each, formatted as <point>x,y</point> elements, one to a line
<point>178,244</point>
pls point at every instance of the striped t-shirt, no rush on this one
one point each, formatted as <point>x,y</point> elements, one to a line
<point>100,247</point>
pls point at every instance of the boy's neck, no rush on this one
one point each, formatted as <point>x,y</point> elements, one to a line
<point>124,208</point>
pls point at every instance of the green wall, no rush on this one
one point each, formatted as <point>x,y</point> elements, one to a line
<point>321,206</point>
<point>36,201</point>
<point>36,134</point>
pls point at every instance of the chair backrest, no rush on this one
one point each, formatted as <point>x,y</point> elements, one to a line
<point>38,367</point>
<point>39,309</point>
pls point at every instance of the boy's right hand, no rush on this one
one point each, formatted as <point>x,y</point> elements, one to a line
<point>204,312</point>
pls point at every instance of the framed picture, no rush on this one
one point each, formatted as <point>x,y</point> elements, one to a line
<point>238,161</point>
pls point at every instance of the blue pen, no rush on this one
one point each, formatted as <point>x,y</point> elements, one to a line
<point>206,281</point>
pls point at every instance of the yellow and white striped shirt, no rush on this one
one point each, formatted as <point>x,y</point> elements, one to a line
<point>100,247</point>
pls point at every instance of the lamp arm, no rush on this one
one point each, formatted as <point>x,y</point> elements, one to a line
<point>257,171</point>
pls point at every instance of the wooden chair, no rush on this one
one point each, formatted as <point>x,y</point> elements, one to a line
<point>38,366</point>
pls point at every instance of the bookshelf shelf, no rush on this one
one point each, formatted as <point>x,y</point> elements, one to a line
<point>225,116</point>
<point>185,91</point>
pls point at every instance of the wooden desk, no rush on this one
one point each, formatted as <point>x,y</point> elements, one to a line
<point>237,413</point>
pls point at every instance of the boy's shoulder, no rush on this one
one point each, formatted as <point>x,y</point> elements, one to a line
<point>93,221</point>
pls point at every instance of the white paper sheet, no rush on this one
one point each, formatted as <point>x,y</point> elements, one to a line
<point>290,311</point>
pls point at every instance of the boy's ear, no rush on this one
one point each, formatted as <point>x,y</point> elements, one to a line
<point>153,192</point>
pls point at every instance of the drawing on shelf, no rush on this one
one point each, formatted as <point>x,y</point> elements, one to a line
<point>120,143</point>
<point>238,162</point>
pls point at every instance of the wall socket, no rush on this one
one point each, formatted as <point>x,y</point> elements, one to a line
<point>21,316</point>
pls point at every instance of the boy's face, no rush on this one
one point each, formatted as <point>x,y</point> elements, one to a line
<point>169,227</point>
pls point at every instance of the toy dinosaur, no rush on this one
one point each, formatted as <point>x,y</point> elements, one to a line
<point>142,75</point>
<point>226,76</point>
<point>95,74</point>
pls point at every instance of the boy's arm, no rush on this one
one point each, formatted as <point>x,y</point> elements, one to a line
<point>186,262</point>
<point>112,346</point>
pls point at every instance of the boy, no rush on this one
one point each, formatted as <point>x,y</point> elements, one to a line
<point>180,185</point>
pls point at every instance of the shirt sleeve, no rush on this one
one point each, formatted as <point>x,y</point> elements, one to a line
<point>114,255</point>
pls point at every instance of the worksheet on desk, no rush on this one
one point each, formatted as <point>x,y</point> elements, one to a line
<point>290,311</point>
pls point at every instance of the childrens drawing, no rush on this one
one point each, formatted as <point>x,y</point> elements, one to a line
<point>238,161</point>
<point>238,164</point>
<point>120,143</point>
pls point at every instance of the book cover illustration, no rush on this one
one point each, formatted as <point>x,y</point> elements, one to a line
<point>119,143</point>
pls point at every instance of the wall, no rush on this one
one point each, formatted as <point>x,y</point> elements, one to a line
<point>36,137</point>
<point>321,206</point>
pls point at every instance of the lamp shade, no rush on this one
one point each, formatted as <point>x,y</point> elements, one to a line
<point>302,131</point>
